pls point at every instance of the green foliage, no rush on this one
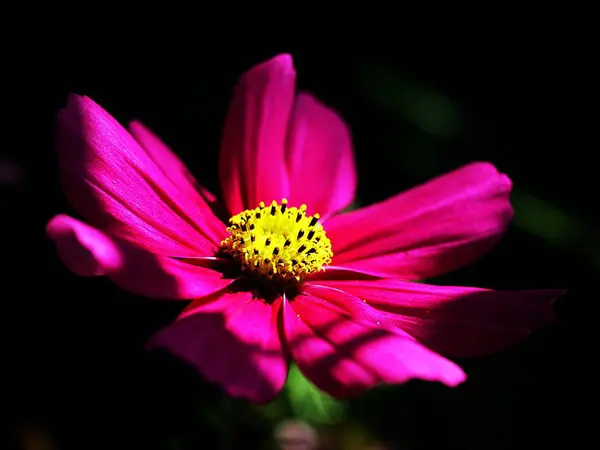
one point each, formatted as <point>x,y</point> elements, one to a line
<point>309,403</point>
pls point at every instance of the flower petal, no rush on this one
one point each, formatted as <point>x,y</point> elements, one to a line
<point>320,158</point>
<point>344,357</point>
<point>429,230</point>
<point>167,162</point>
<point>340,273</point>
<point>88,251</point>
<point>252,161</point>
<point>454,321</point>
<point>119,188</point>
<point>233,341</point>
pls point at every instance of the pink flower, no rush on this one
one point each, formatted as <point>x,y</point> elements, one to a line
<point>331,292</point>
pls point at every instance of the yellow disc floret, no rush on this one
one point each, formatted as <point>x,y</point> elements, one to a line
<point>278,242</point>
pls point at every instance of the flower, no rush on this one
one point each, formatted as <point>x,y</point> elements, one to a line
<point>331,292</point>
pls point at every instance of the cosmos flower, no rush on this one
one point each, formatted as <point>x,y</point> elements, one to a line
<point>335,292</point>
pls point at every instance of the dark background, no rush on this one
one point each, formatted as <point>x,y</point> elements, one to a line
<point>75,374</point>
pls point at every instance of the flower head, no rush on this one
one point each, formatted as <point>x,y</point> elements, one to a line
<point>281,245</point>
<point>288,277</point>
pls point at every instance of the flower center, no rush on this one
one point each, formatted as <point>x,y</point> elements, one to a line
<point>278,242</point>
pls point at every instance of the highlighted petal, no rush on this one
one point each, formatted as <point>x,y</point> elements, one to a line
<point>429,230</point>
<point>344,357</point>
<point>320,158</point>
<point>169,164</point>
<point>119,187</point>
<point>233,340</point>
<point>252,161</point>
<point>454,321</point>
<point>88,251</point>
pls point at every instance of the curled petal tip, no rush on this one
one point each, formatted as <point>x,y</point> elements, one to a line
<point>484,164</point>
<point>455,379</point>
<point>75,106</point>
<point>76,99</point>
<point>490,168</point>
<point>283,59</point>
<point>504,179</point>
<point>84,249</point>
<point>55,226</point>
<point>282,63</point>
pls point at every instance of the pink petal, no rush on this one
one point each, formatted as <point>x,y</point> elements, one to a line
<point>454,321</point>
<point>234,342</point>
<point>344,357</point>
<point>90,252</point>
<point>167,162</point>
<point>320,158</point>
<point>120,189</point>
<point>434,228</point>
<point>252,160</point>
<point>341,273</point>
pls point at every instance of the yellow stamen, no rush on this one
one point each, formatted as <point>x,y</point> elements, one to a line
<point>278,242</point>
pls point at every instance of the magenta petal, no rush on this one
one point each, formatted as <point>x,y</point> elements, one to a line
<point>169,164</point>
<point>233,341</point>
<point>341,273</point>
<point>344,357</point>
<point>320,158</point>
<point>454,321</point>
<point>252,161</point>
<point>90,252</point>
<point>429,230</point>
<point>122,190</point>
<point>85,250</point>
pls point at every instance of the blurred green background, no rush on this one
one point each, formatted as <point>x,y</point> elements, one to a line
<point>77,374</point>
